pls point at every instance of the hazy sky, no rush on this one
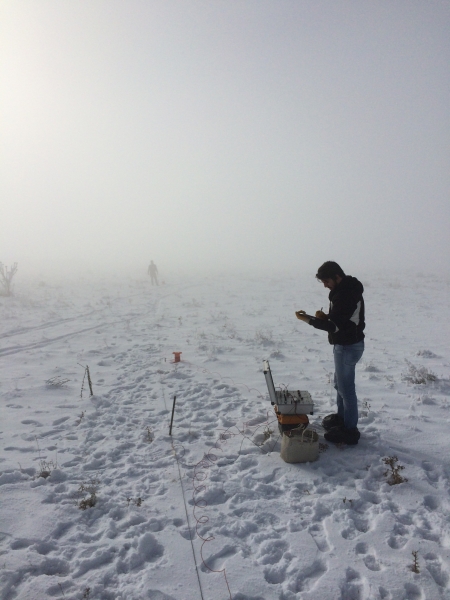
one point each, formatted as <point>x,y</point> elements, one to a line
<point>236,133</point>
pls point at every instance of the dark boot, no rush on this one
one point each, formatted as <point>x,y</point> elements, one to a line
<point>332,420</point>
<point>341,435</point>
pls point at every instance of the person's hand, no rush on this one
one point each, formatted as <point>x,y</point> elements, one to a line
<point>321,315</point>
<point>300,314</point>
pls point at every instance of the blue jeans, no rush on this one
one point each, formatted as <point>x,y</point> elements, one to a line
<point>345,359</point>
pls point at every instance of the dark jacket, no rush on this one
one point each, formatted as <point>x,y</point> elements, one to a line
<point>345,323</point>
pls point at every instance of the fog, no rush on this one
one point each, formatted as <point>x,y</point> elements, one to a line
<point>207,134</point>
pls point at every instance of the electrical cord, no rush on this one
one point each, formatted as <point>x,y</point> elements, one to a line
<point>208,460</point>
<point>188,524</point>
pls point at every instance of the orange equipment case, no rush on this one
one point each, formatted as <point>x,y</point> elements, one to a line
<point>292,419</point>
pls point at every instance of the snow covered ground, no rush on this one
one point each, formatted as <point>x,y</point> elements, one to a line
<point>332,529</point>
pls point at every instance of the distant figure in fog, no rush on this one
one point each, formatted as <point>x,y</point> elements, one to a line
<point>153,272</point>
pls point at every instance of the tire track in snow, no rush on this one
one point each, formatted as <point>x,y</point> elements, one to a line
<point>41,344</point>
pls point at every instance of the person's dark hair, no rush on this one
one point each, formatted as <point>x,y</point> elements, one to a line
<point>329,270</point>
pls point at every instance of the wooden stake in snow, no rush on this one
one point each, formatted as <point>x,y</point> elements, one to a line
<point>173,412</point>
<point>88,376</point>
<point>89,380</point>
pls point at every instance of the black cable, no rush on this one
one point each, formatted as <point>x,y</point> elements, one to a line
<point>188,524</point>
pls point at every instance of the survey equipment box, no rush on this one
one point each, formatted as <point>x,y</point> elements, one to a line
<point>288,402</point>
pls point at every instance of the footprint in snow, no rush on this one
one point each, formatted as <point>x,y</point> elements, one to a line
<point>320,512</point>
<point>215,495</point>
<point>436,569</point>
<point>349,533</point>
<point>308,577</point>
<point>396,542</point>
<point>54,566</point>
<point>354,586</point>
<point>241,528</point>
<point>187,534</point>
<point>45,548</point>
<point>61,530</point>
<point>217,560</point>
<point>271,551</point>
<point>369,496</point>
<point>264,519</point>
<point>361,548</point>
<point>59,421</point>
<point>19,449</point>
<point>20,543</point>
<point>430,473</point>
<point>371,562</point>
<point>413,592</point>
<point>318,534</point>
<point>384,593</point>
<point>158,595</point>
<point>355,528</point>
<point>275,573</point>
<point>149,550</point>
<point>246,462</point>
<point>178,375</point>
<point>431,502</point>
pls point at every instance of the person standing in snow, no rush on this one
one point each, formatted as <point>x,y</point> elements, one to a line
<point>345,326</point>
<point>153,272</point>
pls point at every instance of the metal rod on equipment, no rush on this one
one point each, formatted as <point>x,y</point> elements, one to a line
<point>269,381</point>
<point>173,412</point>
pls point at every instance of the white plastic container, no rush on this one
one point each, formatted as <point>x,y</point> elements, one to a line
<point>298,446</point>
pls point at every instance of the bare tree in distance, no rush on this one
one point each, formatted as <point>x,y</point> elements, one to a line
<point>6,277</point>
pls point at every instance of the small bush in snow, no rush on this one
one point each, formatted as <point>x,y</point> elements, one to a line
<point>135,501</point>
<point>369,367</point>
<point>418,375</point>
<point>45,466</point>
<point>267,432</point>
<point>426,354</point>
<point>264,338</point>
<point>88,491</point>
<point>366,407</point>
<point>415,565</point>
<point>56,381</point>
<point>426,400</point>
<point>393,475</point>
<point>80,418</point>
